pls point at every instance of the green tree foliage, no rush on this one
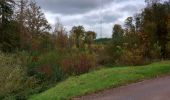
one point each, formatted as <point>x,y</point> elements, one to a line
<point>33,26</point>
<point>117,31</point>
<point>118,35</point>
<point>46,43</point>
<point>138,22</point>
<point>155,24</point>
<point>53,56</point>
<point>20,16</point>
<point>9,38</point>
<point>19,30</point>
<point>151,2</point>
<point>128,22</point>
<point>77,35</point>
<point>6,11</point>
<point>131,36</point>
<point>116,46</point>
<point>36,21</point>
<point>90,36</point>
<point>60,36</point>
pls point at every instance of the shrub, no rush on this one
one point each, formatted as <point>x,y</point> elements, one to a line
<point>134,57</point>
<point>45,67</point>
<point>114,52</point>
<point>156,52</point>
<point>12,74</point>
<point>102,56</point>
<point>168,49</point>
<point>78,63</point>
<point>11,79</point>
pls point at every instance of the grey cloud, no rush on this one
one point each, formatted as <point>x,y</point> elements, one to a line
<point>71,6</point>
<point>130,8</point>
<point>111,18</point>
<point>88,14</point>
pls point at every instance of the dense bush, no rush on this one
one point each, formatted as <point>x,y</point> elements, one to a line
<point>78,63</point>
<point>115,52</point>
<point>53,57</point>
<point>45,67</point>
<point>101,53</point>
<point>23,74</point>
<point>168,50</point>
<point>155,53</point>
<point>12,74</point>
<point>134,57</point>
<point>11,80</point>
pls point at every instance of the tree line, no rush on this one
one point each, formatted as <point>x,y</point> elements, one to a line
<point>35,56</point>
<point>144,36</point>
<point>23,26</point>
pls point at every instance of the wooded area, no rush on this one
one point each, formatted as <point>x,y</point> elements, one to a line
<point>35,56</point>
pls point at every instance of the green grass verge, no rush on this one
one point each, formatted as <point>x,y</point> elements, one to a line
<point>103,79</point>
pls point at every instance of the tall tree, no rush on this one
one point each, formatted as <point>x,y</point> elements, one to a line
<point>21,13</point>
<point>77,33</point>
<point>117,31</point>
<point>36,21</point>
<point>138,22</point>
<point>61,37</point>
<point>151,2</point>
<point>8,27</point>
<point>6,11</point>
<point>90,36</point>
<point>129,26</point>
<point>131,35</point>
<point>156,17</point>
<point>118,35</point>
<point>116,46</point>
<point>21,7</point>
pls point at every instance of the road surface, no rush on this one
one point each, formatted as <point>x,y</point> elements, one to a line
<point>157,89</point>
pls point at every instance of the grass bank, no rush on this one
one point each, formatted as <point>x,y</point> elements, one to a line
<point>103,79</point>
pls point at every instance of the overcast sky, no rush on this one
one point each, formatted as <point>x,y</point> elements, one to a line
<point>90,12</point>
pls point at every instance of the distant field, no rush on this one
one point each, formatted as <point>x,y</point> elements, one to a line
<point>103,79</point>
<point>102,41</point>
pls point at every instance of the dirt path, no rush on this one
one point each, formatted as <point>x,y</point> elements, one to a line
<point>157,89</point>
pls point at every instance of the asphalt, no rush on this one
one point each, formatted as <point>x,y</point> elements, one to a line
<point>156,89</point>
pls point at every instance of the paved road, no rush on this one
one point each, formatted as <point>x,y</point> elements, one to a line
<point>157,89</point>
